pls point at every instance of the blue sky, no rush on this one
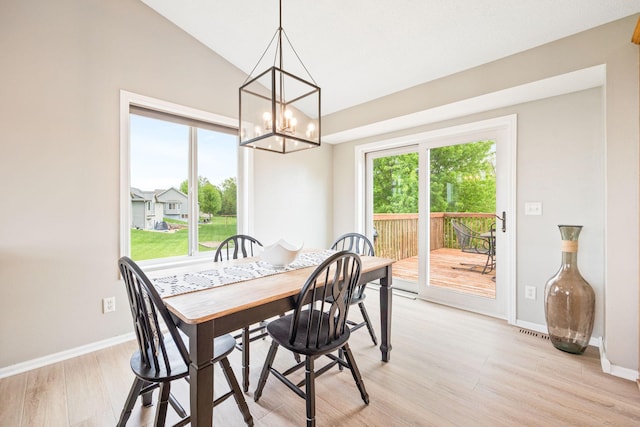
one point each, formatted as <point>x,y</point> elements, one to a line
<point>159,154</point>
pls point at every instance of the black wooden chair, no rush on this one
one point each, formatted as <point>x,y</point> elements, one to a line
<point>234,247</point>
<point>162,357</point>
<point>317,327</point>
<point>471,241</point>
<point>361,245</point>
<point>237,246</point>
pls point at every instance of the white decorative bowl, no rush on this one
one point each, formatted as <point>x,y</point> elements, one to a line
<point>281,253</point>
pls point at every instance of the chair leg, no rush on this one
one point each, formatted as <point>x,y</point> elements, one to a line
<point>237,393</point>
<point>365,315</point>
<point>177,406</point>
<point>147,398</point>
<point>245,359</point>
<point>487,265</point>
<point>355,372</point>
<point>266,369</point>
<point>310,390</point>
<point>134,393</point>
<point>163,404</point>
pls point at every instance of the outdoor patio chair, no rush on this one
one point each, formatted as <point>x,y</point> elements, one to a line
<point>476,243</point>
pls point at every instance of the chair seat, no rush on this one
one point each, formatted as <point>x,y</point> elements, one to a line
<point>280,330</point>
<point>176,369</point>
<point>223,346</point>
<point>481,251</point>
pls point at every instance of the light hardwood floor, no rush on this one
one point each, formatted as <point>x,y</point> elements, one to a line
<point>447,368</point>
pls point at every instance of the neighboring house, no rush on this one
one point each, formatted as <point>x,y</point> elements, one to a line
<point>149,208</point>
<point>174,203</point>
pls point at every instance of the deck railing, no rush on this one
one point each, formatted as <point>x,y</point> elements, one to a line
<point>398,233</point>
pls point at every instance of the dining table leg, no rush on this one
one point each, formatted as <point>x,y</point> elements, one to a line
<point>385,314</point>
<point>201,374</point>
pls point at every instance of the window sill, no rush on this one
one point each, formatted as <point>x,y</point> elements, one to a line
<point>167,263</point>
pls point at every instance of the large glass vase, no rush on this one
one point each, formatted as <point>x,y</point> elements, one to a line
<point>569,299</point>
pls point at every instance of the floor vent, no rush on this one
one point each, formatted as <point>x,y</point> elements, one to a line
<point>534,334</point>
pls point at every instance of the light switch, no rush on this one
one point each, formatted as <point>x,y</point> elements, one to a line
<point>533,208</point>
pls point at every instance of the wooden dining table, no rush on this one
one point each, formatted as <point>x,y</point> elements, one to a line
<point>208,313</point>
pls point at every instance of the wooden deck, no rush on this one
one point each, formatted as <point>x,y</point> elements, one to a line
<point>444,275</point>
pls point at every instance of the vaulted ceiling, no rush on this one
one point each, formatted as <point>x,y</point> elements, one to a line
<point>359,50</point>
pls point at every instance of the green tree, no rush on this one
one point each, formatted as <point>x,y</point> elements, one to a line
<point>210,199</point>
<point>463,178</point>
<point>229,197</point>
<point>395,184</point>
<point>184,185</point>
<point>209,196</point>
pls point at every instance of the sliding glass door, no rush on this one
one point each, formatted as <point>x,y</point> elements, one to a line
<point>439,209</point>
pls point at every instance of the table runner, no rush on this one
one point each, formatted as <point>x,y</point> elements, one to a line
<point>224,274</point>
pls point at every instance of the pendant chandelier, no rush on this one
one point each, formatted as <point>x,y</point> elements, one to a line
<point>279,111</point>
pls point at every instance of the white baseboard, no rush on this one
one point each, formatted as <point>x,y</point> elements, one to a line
<point>618,371</point>
<point>63,355</point>
<point>605,364</point>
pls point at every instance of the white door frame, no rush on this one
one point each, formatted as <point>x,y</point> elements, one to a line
<point>503,129</point>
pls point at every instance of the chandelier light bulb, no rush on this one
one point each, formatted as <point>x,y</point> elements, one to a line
<point>266,117</point>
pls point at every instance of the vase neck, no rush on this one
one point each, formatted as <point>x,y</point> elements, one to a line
<point>569,258</point>
<point>570,251</point>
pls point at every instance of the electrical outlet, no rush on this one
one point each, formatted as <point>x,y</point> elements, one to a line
<point>108,304</point>
<point>530,292</point>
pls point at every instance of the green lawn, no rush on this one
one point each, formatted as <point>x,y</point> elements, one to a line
<point>153,244</point>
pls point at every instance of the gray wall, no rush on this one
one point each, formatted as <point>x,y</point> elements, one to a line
<point>561,164</point>
<point>614,123</point>
<point>292,197</point>
<point>64,64</point>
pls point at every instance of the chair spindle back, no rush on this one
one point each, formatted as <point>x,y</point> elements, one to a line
<point>323,302</point>
<point>150,316</point>
<point>237,246</point>
<point>359,244</point>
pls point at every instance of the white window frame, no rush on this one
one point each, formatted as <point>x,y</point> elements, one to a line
<point>244,177</point>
